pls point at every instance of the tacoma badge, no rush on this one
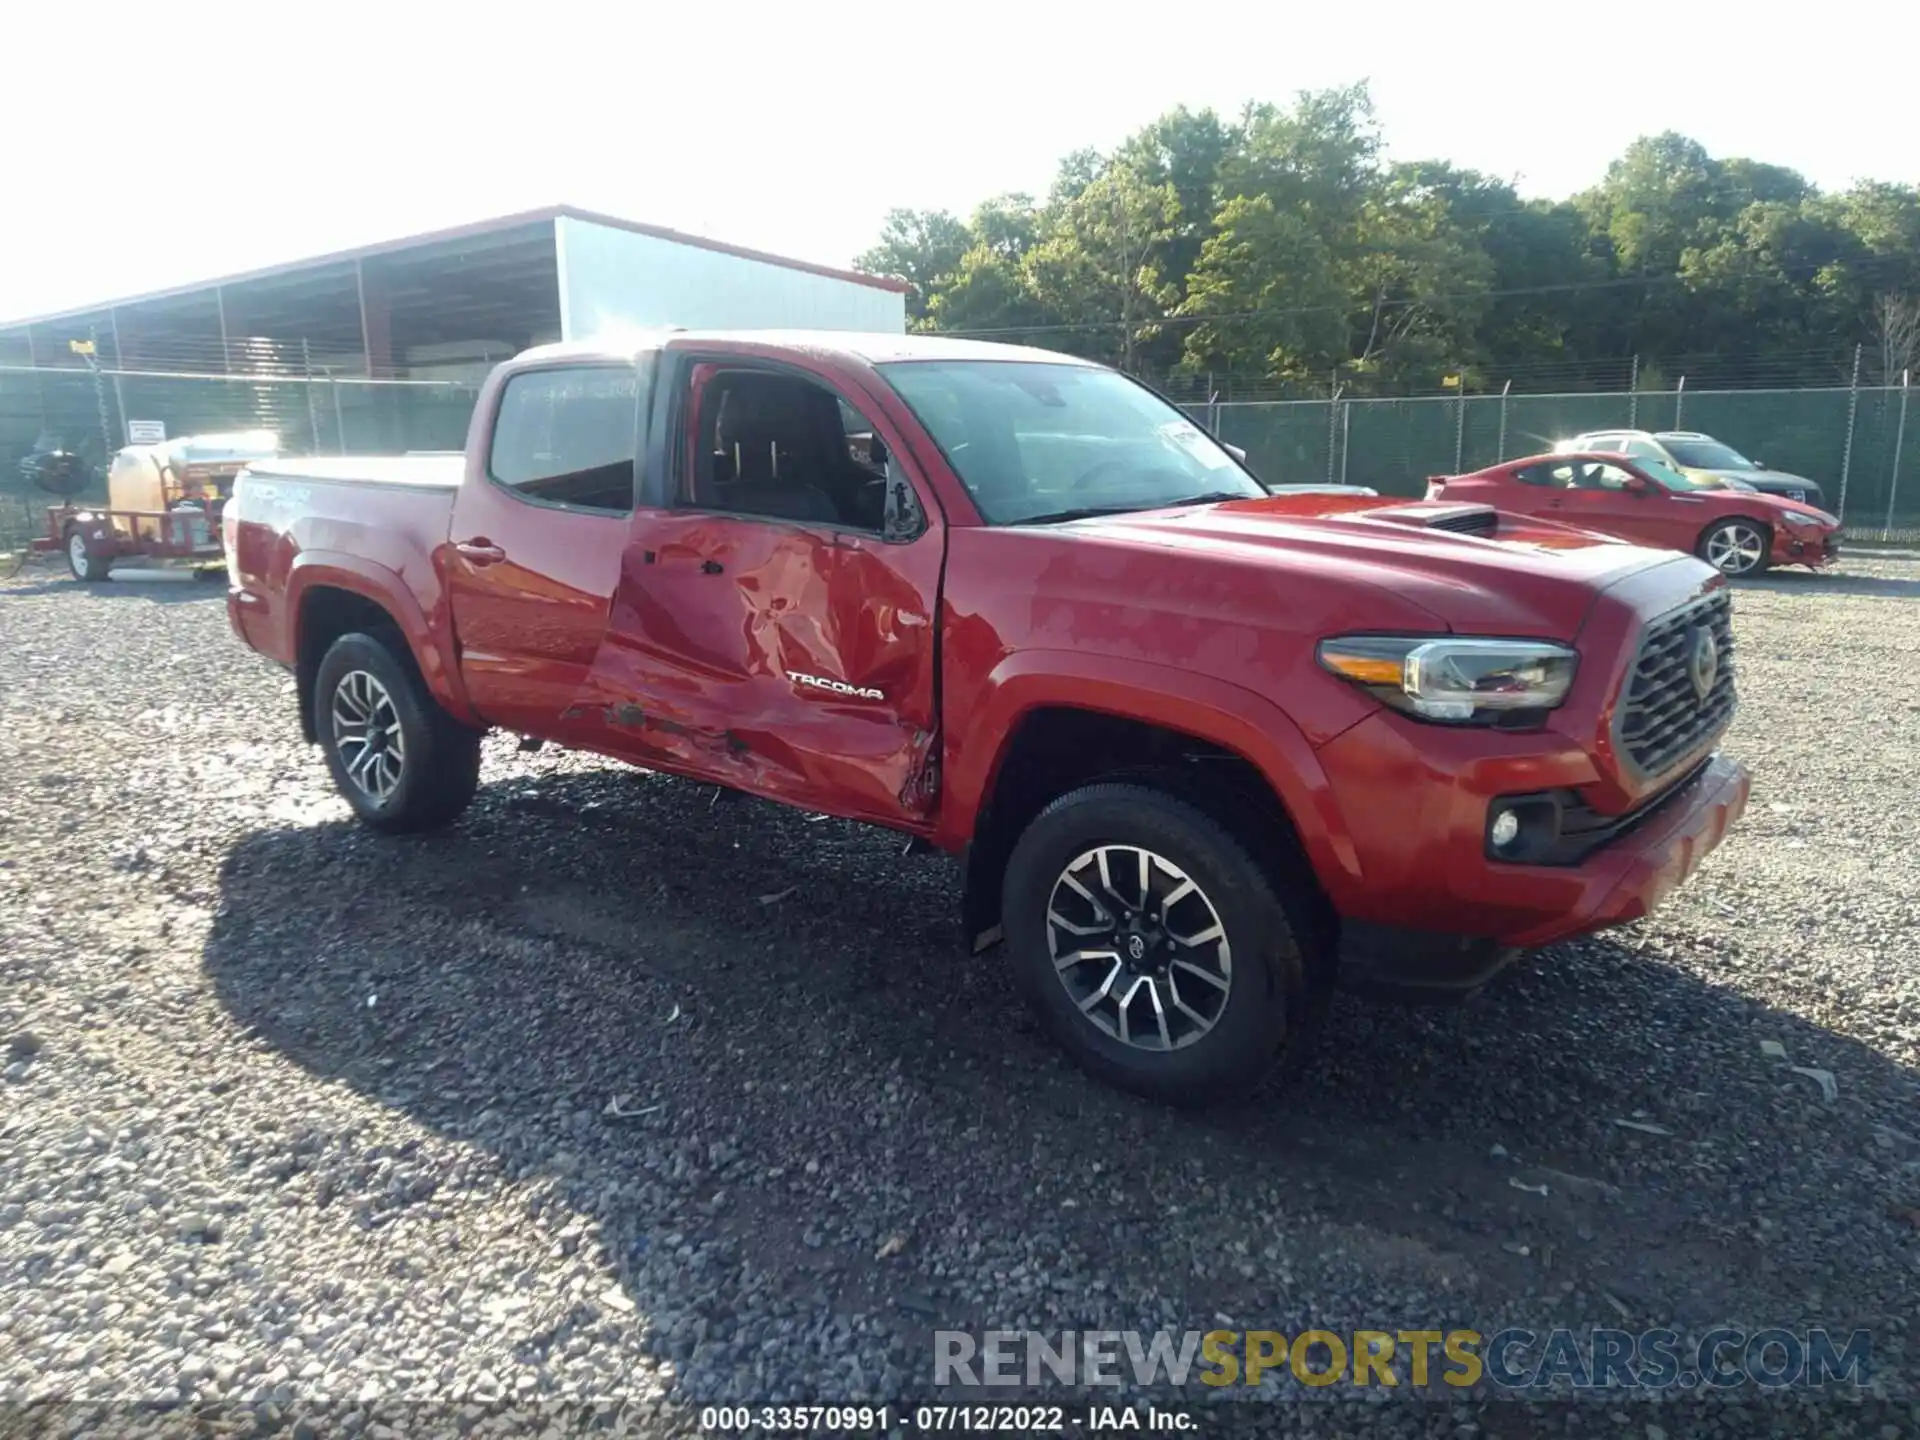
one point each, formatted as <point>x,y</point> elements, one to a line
<point>838,687</point>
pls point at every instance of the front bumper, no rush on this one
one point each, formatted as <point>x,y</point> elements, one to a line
<point>1415,805</point>
<point>1813,548</point>
<point>1628,879</point>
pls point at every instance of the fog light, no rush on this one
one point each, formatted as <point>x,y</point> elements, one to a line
<point>1505,829</point>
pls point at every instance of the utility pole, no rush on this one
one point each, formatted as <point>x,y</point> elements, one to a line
<point>1333,421</point>
<point>1460,426</point>
<point>1853,409</point>
<point>1899,437</point>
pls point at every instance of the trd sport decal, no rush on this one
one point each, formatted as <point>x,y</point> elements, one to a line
<point>838,687</point>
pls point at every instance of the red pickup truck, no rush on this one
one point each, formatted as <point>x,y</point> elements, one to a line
<point>1202,749</point>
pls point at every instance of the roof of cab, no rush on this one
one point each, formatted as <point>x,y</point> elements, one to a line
<point>872,348</point>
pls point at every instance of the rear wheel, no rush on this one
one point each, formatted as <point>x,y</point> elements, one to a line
<point>400,760</point>
<point>83,560</point>
<point>1735,547</point>
<point>1155,949</point>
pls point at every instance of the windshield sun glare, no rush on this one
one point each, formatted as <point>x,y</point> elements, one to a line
<point>1035,441</point>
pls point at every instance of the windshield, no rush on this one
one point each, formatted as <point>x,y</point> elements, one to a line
<point>1037,441</point>
<point>1707,455</point>
<point>1666,475</point>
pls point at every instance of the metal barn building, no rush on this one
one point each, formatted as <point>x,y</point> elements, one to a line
<point>382,348</point>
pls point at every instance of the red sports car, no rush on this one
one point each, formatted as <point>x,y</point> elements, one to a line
<point>1650,502</point>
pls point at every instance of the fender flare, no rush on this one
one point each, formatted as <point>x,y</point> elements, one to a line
<point>1217,711</point>
<point>389,590</point>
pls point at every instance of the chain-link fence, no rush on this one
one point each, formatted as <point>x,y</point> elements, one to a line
<point>1852,441</point>
<point>93,412</point>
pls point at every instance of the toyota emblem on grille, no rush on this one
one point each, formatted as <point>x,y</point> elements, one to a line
<point>1703,662</point>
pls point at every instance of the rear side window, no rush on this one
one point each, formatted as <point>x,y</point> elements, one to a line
<point>569,437</point>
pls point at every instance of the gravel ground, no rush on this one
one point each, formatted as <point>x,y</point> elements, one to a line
<point>619,1093</point>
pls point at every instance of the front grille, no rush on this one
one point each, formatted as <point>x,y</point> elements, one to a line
<point>1663,717</point>
<point>1584,829</point>
<point>1468,522</point>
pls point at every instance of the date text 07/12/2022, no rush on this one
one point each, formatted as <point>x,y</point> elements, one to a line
<point>947,1418</point>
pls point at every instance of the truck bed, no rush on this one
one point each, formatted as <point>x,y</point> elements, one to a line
<point>364,523</point>
<point>437,471</point>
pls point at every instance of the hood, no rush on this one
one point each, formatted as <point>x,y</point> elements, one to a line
<point>1770,478</point>
<point>1762,501</point>
<point>1474,569</point>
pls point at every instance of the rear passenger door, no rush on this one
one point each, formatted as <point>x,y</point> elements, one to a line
<point>538,530</point>
<point>775,620</point>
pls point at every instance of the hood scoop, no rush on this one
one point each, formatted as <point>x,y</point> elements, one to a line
<point>1459,519</point>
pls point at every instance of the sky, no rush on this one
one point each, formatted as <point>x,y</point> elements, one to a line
<point>168,144</point>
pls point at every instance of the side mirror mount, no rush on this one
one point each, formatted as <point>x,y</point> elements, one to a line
<point>902,519</point>
<point>1640,485</point>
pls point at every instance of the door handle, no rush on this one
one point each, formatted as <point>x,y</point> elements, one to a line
<point>480,551</point>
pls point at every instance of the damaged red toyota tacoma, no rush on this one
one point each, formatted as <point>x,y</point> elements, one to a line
<point>1203,751</point>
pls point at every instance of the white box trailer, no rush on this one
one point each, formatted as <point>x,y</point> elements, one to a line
<point>615,277</point>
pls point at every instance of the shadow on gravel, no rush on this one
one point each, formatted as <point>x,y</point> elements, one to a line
<point>752,992</point>
<point>1814,583</point>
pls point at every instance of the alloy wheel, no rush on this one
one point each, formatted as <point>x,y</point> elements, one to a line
<point>1140,947</point>
<point>1736,549</point>
<point>367,736</point>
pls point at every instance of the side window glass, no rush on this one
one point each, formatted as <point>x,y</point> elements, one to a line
<point>1610,477</point>
<point>1592,475</point>
<point>1539,475</point>
<point>784,448</point>
<point>567,436</point>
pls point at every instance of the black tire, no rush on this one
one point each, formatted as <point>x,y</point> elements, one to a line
<point>83,560</point>
<point>1721,536</point>
<point>1269,925</point>
<point>439,758</point>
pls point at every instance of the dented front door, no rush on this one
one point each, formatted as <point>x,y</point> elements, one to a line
<point>792,660</point>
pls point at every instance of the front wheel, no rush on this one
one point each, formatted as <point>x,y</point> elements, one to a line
<point>84,561</point>
<point>1735,547</point>
<point>403,763</point>
<point>1155,949</point>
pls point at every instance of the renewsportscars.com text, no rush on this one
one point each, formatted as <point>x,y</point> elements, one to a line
<point>1511,1360</point>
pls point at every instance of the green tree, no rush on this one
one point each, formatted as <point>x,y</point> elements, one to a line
<point>1282,243</point>
<point>1096,263</point>
<point>1319,160</point>
<point>1418,283</point>
<point>1264,296</point>
<point>1183,149</point>
<point>1876,281</point>
<point>1007,225</point>
<point>921,247</point>
<point>987,294</point>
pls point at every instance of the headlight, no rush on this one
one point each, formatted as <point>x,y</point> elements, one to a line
<point>1808,522</point>
<point>1458,681</point>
